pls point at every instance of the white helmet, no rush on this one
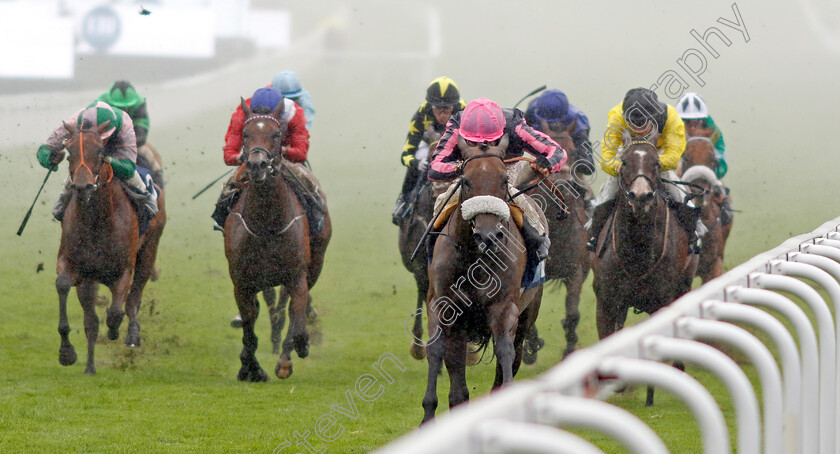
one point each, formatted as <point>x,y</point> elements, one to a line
<point>692,107</point>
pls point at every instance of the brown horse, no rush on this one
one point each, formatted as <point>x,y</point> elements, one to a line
<point>562,199</point>
<point>475,278</point>
<point>697,166</point>
<point>100,244</point>
<point>645,261</point>
<point>267,243</point>
<point>411,232</point>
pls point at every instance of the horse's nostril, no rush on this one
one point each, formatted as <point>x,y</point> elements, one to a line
<point>263,165</point>
<point>632,195</point>
<point>500,236</point>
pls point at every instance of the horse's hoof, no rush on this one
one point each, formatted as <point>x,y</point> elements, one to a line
<point>283,369</point>
<point>529,357</point>
<point>90,370</point>
<point>302,346</point>
<point>113,333</point>
<point>132,341</point>
<point>252,375</point>
<point>311,313</point>
<point>67,356</point>
<point>418,352</point>
<point>567,352</point>
<point>236,322</point>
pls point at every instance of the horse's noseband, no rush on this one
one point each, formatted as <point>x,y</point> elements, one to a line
<point>271,157</point>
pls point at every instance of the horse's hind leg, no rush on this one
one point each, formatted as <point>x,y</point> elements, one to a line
<point>502,318</point>
<point>455,357</point>
<point>570,323</point>
<point>86,291</point>
<point>418,350</point>
<point>434,351</point>
<point>142,273</point>
<point>249,308</point>
<point>116,312</point>
<point>66,353</point>
<point>276,315</point>
<point>297,338</point>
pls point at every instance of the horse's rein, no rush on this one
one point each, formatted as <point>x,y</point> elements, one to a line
<point>540,178</point>
<point>95,178</point>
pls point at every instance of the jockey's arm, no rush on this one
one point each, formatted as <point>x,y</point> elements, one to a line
<point>613,139</point>
<point>445,159</point>
<point>413,138</point>
<point>671,141</point>
<point>297,137</point>
<point>549,154</point>
<point>233,138</point>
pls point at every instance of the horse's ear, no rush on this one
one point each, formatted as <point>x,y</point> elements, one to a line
<point>278,109</point>
<point>571,127</point>
<point>102,127</point>
<point>244,106</point>
<point>503,143</point>
<point>71,128</point>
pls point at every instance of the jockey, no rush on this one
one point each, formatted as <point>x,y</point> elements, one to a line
<point>120,152</point>
<point>641,115</point>
<point>695,114</point>
<point>551,111</point>
<point>427,124</point>
<point>124,96</point>
<point>289,84</point>
<point>483,121</point>
<point>295,148</point>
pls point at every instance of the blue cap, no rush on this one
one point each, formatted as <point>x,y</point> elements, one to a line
<point>266,96</point>
<point>288,83</point>
<point>551,106</point>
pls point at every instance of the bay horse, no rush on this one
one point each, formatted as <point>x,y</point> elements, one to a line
<point>100,244</point>
<point>645,262</point>
<point>562,199</point>
<point>411,232</point>
<point>475,277</point>
<point>267,243</point>
<point>697,166</point>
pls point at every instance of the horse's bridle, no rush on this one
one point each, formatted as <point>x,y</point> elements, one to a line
<point>258,149</point>
<point>650,180</point>
<point>83,164</point>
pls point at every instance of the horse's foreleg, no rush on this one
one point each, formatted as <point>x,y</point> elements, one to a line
<point>434,355</point>
<point>119,294</point>
<point>86,291</point>
<point>455,357</point>
<point>249,309</point>
<point>605,319</point>
<point>66,353</point>
<point>297,338</point>
<point>502,318</point>
<point>570,323</point>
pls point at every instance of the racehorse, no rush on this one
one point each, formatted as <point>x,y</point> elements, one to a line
<point>562,198</point>
<point>475,277</point>
<point>644,255</point>
<point>697,166</point>
<point>267,243</point>
<point>411,232</point>
<point>100,244</point>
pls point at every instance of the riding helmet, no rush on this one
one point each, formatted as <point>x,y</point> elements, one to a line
<point>443,92</point>
<point>122,95</point>
<point>552,106</point>
<point>692,107</point>
<point>288,83</point>
<point>482,121</point>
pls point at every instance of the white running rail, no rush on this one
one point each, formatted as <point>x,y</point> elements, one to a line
<point>799,404</point>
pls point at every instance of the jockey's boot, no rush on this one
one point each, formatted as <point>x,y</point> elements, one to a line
<point>223,206</point>
<point>600,214</point>
<point>136,184</point>
<point>61,203</point>
<point>726,210</point>
<point>398,212</point>
<point>689,217</point>
<point>534,241</point>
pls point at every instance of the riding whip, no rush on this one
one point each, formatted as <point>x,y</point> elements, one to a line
<point>529,95</point>
<point>432,222</point>
<point>212,183</point>
<point>28,213</point>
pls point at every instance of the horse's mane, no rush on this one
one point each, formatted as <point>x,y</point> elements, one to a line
<point>700,173</point>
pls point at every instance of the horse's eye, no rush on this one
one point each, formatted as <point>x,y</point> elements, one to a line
<point>276,136</point>
<point>246,136</point>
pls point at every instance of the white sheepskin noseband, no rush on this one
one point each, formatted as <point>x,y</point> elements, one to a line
<point>474,206</point>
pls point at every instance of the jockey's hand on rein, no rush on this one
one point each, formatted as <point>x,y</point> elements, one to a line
<point>539,169</point>
<point>56,157</point>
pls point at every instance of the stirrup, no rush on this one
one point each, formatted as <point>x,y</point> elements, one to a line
<point>592,244</point>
